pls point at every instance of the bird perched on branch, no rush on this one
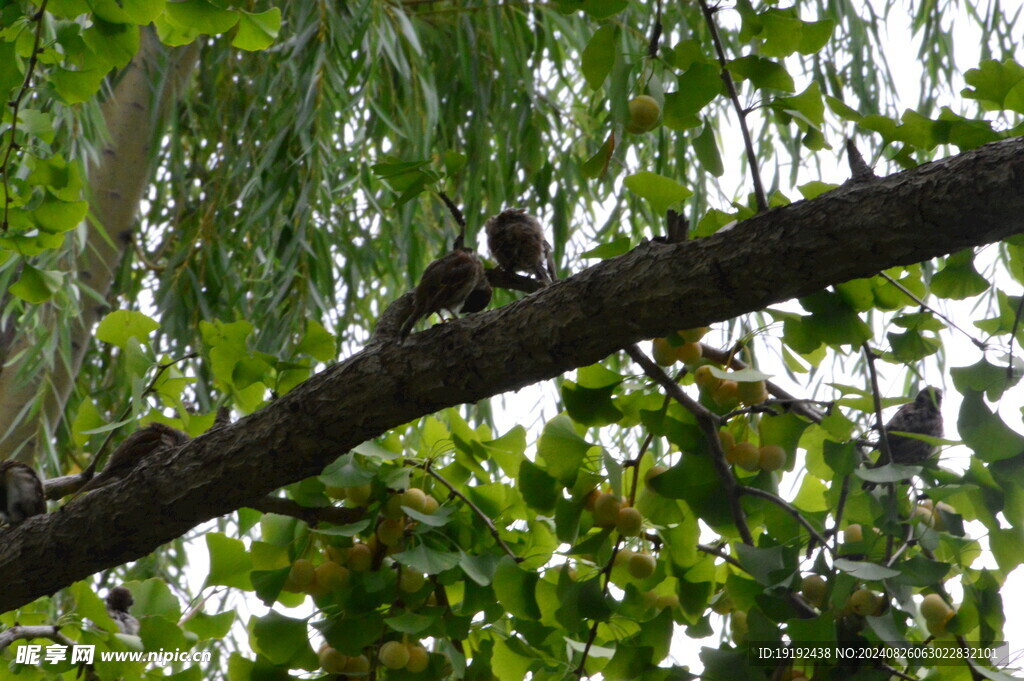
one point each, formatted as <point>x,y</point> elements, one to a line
<point>921,417</point>
<point>155,437</point>
<point>119,599</point>
<point>21,492</point>
<point>446,284</point>
<point>516,240</point>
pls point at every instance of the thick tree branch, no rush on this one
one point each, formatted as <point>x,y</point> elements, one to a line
<point>854,231</point>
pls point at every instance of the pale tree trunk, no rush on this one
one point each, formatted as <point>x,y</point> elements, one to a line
<point>134,114</point>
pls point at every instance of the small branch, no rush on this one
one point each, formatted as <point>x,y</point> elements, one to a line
<point>336,515</point>
<point>883,437</point>
<point>18,633</point>
<point>90,470</point>
<point>859,169</point>
<point>1013,335</point>
<point>980,344</point>
<point>788,508</point>
<point>606,572</point>
<point>797,405</point>
<point>460,219</point>
<point>652,44</point>
<point>908,541</point>
<point>708,423</point>
<point>719,553</point>
<point>896,672</point>
<point>476,509</point>
<point>730,87</point>
<point>15,105</point>
<point>774,407</point>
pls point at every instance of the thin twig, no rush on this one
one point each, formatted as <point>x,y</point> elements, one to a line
<point>788,508</point>
<point>15,106</point>
<point>883,439</point>
<point>797,405</point>
<point>708,423</point>
<point>311,516</point>
<point>460,219</point>
<point>606,573</point>
<point>476,509</point>
<point>1013,335</point>
<point>719,553</point>
<point>730,86</point>
<point>90,470</point>
<point>910,294</point>
<point>652,44</point>
<point>896,672</point>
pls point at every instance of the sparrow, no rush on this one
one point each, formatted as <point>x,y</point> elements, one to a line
<point>119,599</point>
<point>155,437</point>
<point>922,417</point>
<point>446,284</point>
<point>21,492</point>
<point>516,240</point>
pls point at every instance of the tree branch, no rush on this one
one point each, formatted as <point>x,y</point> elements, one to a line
<point>648,292</point>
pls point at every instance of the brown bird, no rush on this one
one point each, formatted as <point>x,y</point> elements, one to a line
<point>445,285</point>
<point>516,240</point>
<point>119,599</point>
<point>921,417</point>
<point>21,492</point>
<point>155,437</point>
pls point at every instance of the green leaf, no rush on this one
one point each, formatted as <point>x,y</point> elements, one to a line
<point>114,43</point>
<point>590,406</point>
<point>203,17</point>
<point>35,285</point>
<point>539,490</point>
<point>56,216</point>
<point>706,148</point>
<point>425,559</point>
<point>697,86</point>
<point>602,9</point>
<point>959,279</point>
<point>984,377</point>
<point>208,627</point>
<point>782,33</point>
<point>984,432</point>
<point>599,55</point>
<point>120,325</point>
<point>562,449</point>
<point>597,165</point>
<point>807,105</point>
<point>282,640</point>
<point>996,85</point>
<point>814,35</point>
<point>317,342</point>
<point>869,572</point>
<point>409,623</point>
<point>763,73</point>
<point>257,31</point>
<point>661,192</point>
<point>516,589</point>
<point>611,249</point>
<point>230,563</point>
<point>75,87</point>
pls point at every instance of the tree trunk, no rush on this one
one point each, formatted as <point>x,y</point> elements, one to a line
<point>133,114</point>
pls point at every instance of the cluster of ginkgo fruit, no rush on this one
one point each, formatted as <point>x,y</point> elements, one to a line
<point>331,572</point>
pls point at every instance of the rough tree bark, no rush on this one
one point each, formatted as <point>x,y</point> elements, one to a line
<point>854,231</point>
<point>134,112</point>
